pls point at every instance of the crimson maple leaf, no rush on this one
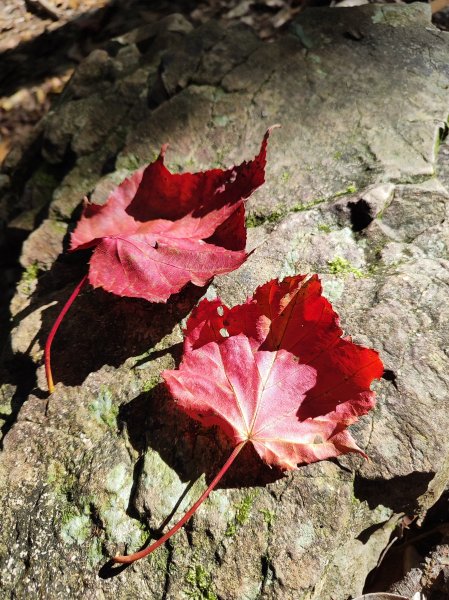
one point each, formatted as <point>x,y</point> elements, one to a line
<point>275,372</point>
<point>158,231</point>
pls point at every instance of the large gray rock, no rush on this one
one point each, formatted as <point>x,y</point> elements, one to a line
<point>354,192</point>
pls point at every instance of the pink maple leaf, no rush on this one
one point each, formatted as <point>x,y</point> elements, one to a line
<point>274,372</point>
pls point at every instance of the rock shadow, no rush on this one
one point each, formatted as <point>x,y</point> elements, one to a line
<point>49,50</point>
<point>398,493</point>
<point>59,48</point>
<point>21,372</point>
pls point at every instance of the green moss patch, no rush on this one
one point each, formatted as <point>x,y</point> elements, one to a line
<point>341,266</point>
<point>104,410</point>
<point>242,513</point>
<point>199,583</point>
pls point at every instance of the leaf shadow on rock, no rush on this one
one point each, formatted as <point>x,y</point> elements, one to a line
<point>154,423</point>
<point>99,328</point>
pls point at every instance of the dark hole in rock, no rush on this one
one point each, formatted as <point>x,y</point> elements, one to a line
<point>145,44</point>
<point>109,164</point>
<point>442,132</point>
<point>157,94</point>
<point>262,7</point>
<point>361,214</point>
<point>112,47</point>
<point>354,35</point>
<point>390,375</point>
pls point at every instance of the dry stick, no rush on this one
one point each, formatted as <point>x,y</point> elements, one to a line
<point>146,551</point>
<point>53,331</point>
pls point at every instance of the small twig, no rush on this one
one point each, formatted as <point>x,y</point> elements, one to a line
<point>42,8</point>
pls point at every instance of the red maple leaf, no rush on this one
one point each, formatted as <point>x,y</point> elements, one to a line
<point>275,372</point>
<point>158,231</point>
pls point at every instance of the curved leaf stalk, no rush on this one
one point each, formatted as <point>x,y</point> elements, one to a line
<point>146,551</point>
<point>53,331</point>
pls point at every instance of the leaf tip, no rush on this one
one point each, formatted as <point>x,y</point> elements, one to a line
<point>163,152</point>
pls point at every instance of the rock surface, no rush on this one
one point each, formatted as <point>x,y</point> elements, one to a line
<point>355,191</point>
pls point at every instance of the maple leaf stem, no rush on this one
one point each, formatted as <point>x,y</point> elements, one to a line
<point>53,331</point>
<point>146,551</point>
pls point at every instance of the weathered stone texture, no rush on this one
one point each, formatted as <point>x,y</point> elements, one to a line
<point>354,192</point>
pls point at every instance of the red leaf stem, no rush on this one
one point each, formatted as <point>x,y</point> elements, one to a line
<point>146,551</point>
<point>53,331</point>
